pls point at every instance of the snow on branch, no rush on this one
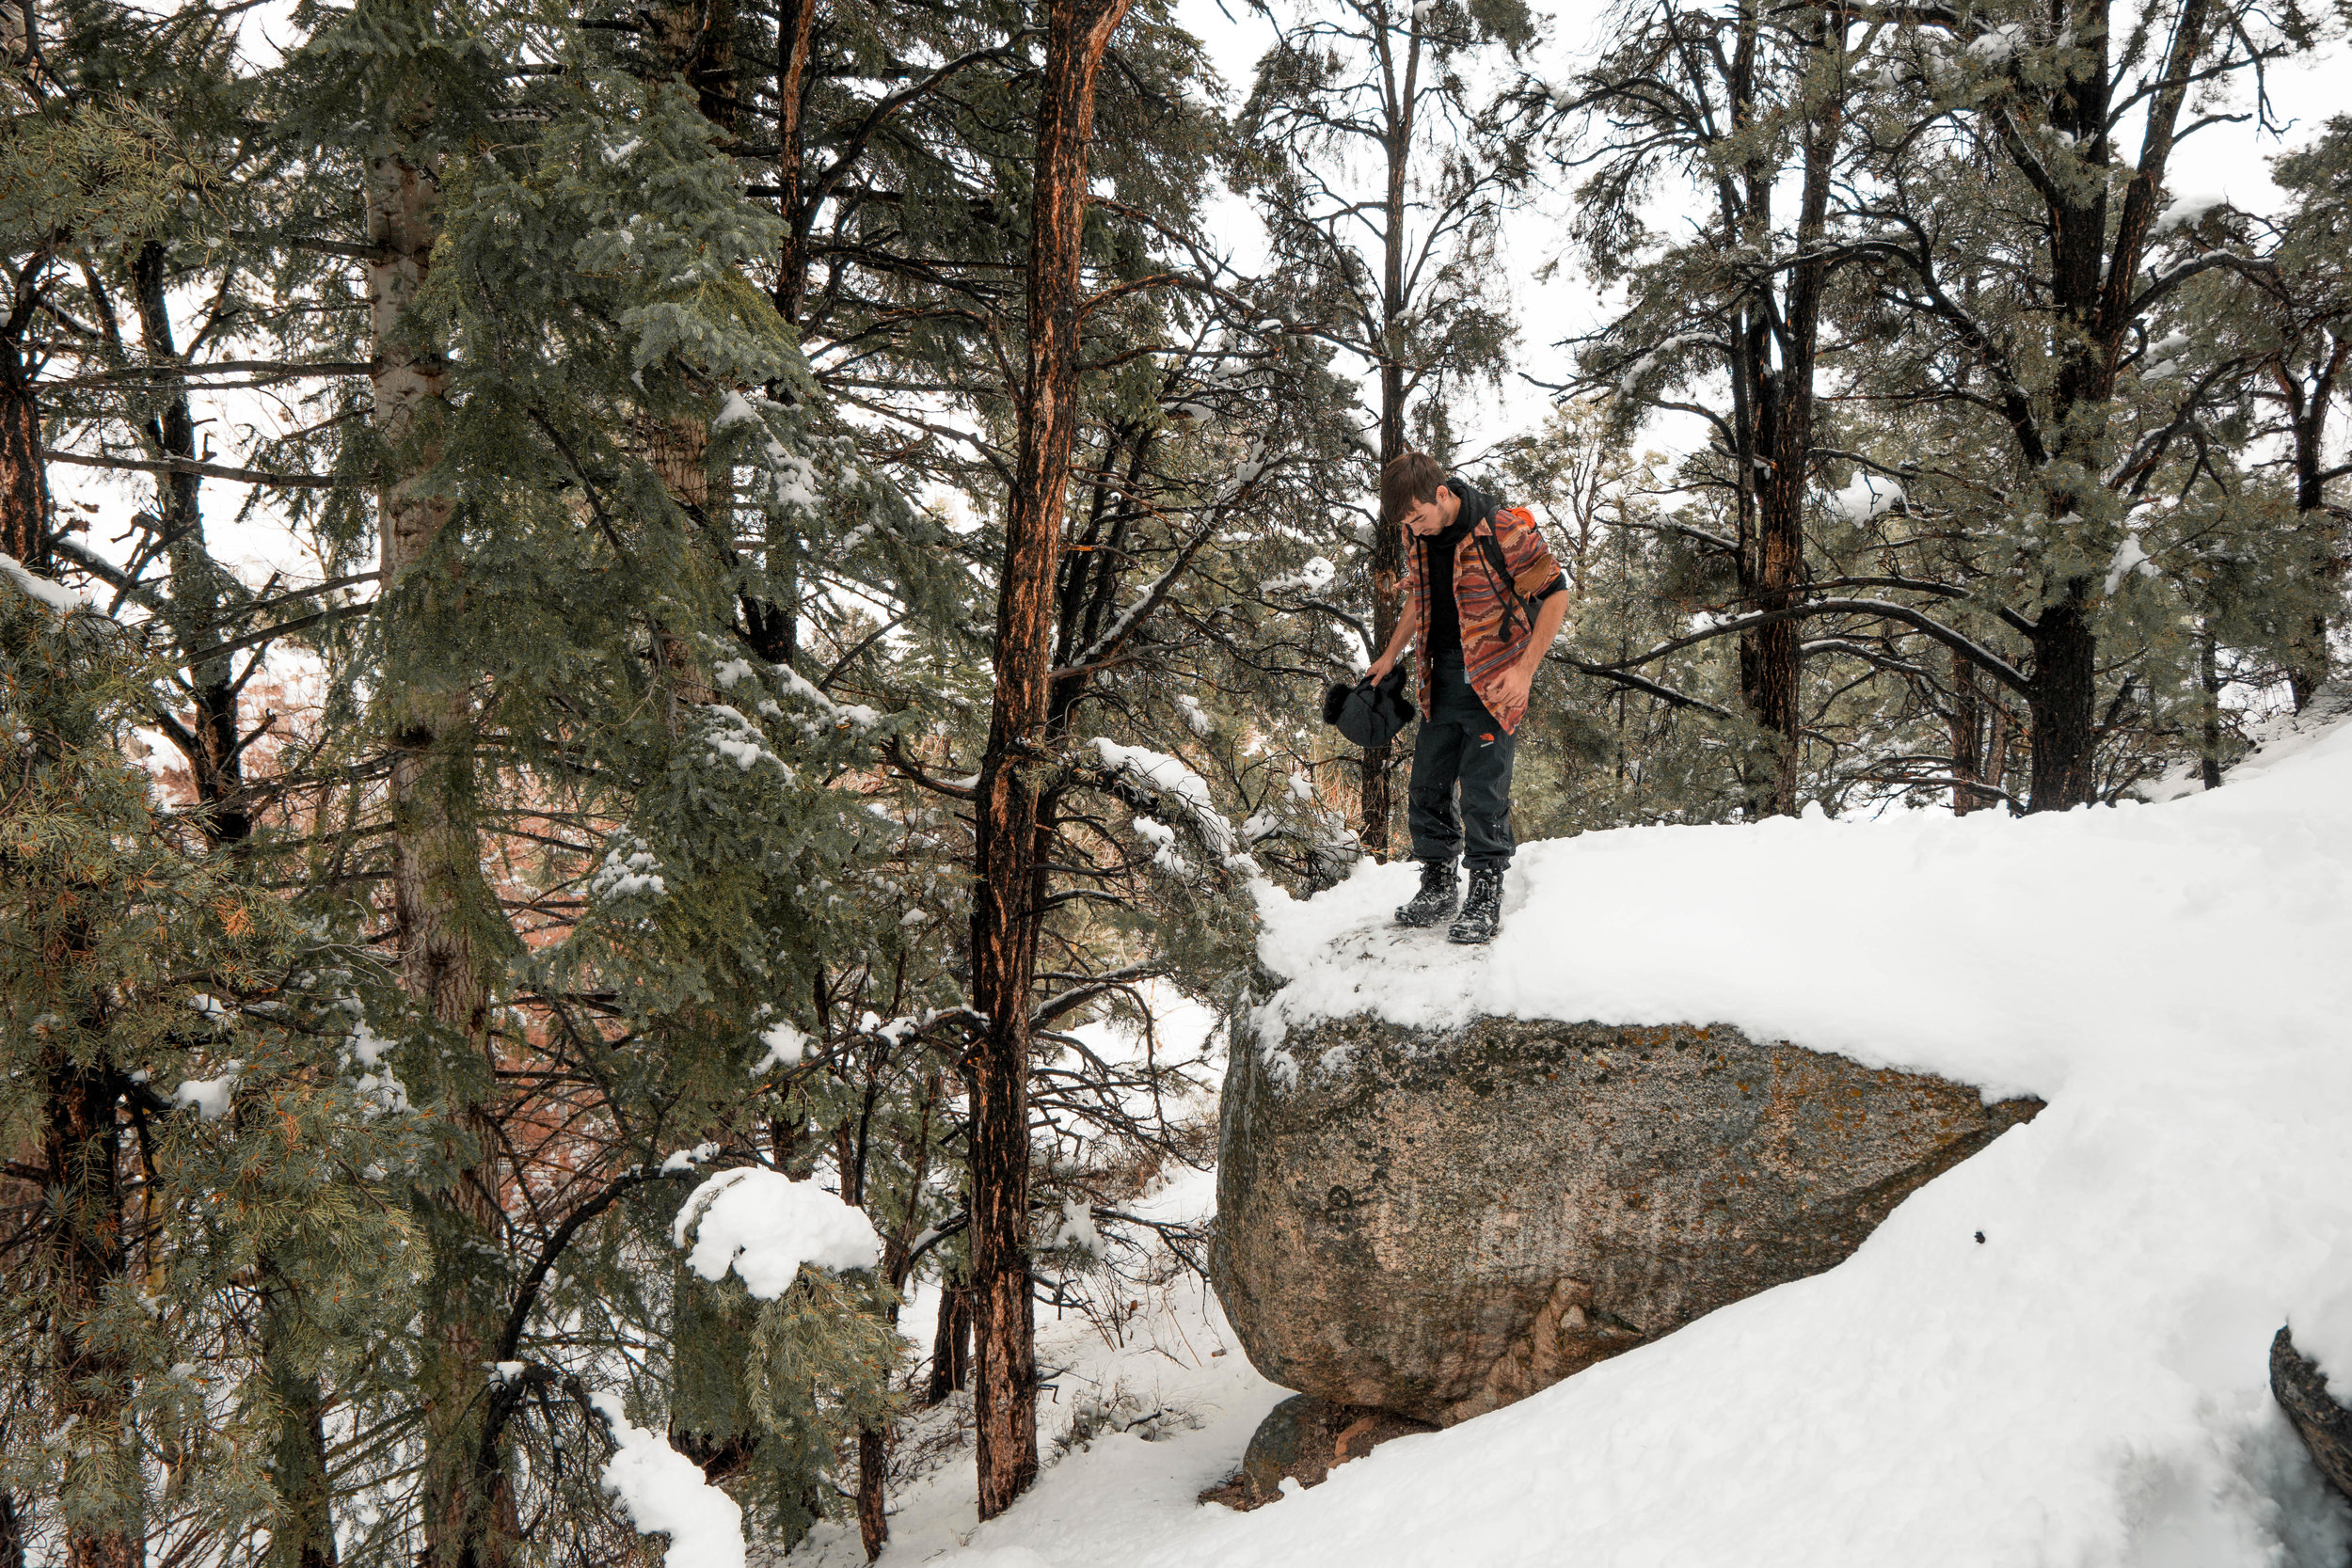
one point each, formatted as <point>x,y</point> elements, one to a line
<point>60,600</point>
<point>210,1095</point>
<point>791,478</point>
<point>732,673</point>
<point>765,1225</point>
<point>1180,792</point>
<point>2187,211</point>
<point>666,1493</point>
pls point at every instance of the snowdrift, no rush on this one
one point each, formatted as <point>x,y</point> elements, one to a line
<point>2055,1354</point>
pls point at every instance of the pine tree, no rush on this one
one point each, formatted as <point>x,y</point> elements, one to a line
<point>1730,107</point>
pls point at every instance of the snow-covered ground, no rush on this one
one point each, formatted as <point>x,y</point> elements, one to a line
<point>2055,1355</point>
<point>1174,1403</point>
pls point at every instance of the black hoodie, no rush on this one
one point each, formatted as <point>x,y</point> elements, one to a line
<point>1443,635</point>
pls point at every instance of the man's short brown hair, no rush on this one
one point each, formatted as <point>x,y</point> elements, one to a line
<point>1412,478</point>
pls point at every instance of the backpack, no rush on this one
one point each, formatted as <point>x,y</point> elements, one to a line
<point>1491,549</point>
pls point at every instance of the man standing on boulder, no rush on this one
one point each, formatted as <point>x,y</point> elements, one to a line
<point>1486,597</point>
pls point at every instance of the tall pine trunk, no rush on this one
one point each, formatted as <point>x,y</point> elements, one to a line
<point>202,592</point>
<point>303,1533</point>
<point>772,625</point>
<point>1009,870</point>
<point>1387,536</point>
<point>951,1340</point>
<point>1965,724</point>
<point>2094,274</point>
<point>2308,423</point>
<point>439,904</point>
<point>80,1235</point>
<point>81,1148</point>
<point>795,26</point>
<point>23,477</point>
<point>1785,408</point>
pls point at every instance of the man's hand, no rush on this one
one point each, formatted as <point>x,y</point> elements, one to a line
<point>1380,667</point>
<point>1517,681</point>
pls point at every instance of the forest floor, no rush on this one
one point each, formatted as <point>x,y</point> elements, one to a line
<point>2053,1354</point>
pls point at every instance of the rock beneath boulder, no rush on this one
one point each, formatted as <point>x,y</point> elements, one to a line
<point>2325,1425</point>
<point>1439,1224</point>
<point>1307,1438</point>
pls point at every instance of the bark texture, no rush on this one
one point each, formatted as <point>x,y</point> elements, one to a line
<point>23,477</point>
<point>795,26</point>
<point>82,1150</point>
<point>203,596</point>
<point>1009,870</point>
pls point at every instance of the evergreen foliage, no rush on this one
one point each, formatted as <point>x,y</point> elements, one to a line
<point>632,404</point>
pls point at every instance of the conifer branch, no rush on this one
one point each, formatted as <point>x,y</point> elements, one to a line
<point>202,470</point>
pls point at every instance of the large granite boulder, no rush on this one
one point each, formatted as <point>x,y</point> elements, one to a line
<point>1441,1224</point>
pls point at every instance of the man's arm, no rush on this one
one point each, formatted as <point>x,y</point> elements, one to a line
<point>1406,625</point>
<point>1550,615</point>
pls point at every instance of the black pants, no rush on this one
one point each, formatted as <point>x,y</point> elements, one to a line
<point>1460,744</point>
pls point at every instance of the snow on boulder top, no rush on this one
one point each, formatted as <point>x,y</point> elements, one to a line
<point>2054,1354</point>
<point>764,1224</point>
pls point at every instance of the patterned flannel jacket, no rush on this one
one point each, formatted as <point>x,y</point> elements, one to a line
<point>1497,618</point>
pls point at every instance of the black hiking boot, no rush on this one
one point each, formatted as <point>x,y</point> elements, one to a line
<point>1438,894</point>
<point>1482,912</point>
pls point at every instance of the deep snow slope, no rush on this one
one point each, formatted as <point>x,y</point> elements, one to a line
<point>2053,1354</point>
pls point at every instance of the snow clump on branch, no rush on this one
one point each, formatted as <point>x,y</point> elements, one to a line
<point>664,1491</point>
<point>765,1225</point>
<point>1181,791</point>
<point>629,867</point>
<point>1869,497</point>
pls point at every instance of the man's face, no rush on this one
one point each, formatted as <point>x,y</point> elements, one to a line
<point>1427,517</point>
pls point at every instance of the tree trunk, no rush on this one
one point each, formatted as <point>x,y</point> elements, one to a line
<point>302,1534</point>
<point>1783,402</point>
<point>23,477</point>
<point>773,626</point>
<point>794,28</point>
<point>2059,702</point>
<point>697,44</point>
<point>1009,870</point>
<point>951,1342</point>
<point>2209,731</point>
<point>2308,669</point>
<point>1387,534</point>
<point>2094,272</point>
<point>873,1467</point>
<point>1965,725</point>
<point>82,1151</point>
<point>1996,753</point>
<point>203,595</point>
<point>441,911</point>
